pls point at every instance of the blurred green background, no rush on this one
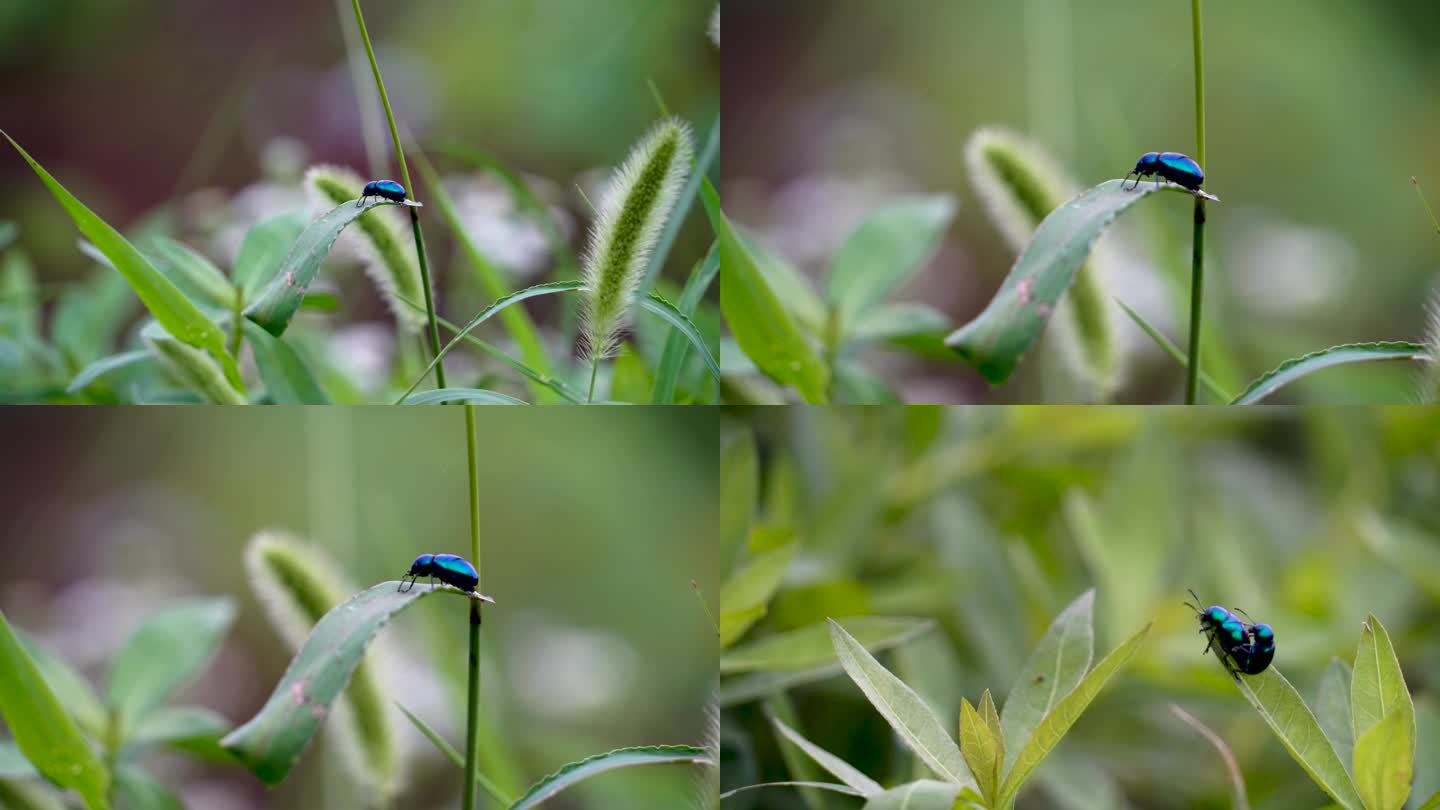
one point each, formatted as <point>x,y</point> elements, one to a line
<point>1318,113</point>
<point>197,119</point>
<point>594,523</point>
<point>990,521</point>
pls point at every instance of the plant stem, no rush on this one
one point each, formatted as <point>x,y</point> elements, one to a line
<point>472,706</point>
<point>1197,264</point>
<point>410,188</point>
<point>594,368</point>
<point>236,313</point>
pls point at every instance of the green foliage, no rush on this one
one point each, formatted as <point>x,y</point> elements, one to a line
<point>608,761</point>
<point>1295,368</point>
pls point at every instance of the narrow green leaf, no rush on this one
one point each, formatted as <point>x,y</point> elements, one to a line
<point>761,326</point>
<point>194,729</point>
<point>1055,667</point>
<point>1332,709</point>
<point>895,321</point>
<point>1295,368</point>
<point>486,314</point>
<point>672,361</point>
<point>1174,351</point>
<point>1059,719</point>
<point>167,650</point>
<point>923,795</point>
<point>800,766</point>
<point>271,742</point>
<point>906,711</point>
<point>1378,685</point>
<point>656,304</point>
<point>287,379</point>
<point>1282,708</point>
<point>137,790</point>
<point>842,789</point>
<point>161,297</point>
<point>71,688</point>
<point>750,588</point>
<point>262,251</point>
<point>742,689</point>
<point>195,275</point>
<point>477,396</point>
<point>889,246</point>
<point>95,371</point>
<point>43,731</point>
<point>277,303</point>
<point>981,749</point>
<point>837,767</point>
<point>610,760</point>
<point>454,756</point>
<point>810,646</point>
<point>790,286</point>
<point>999,337</point>
<point>1385,760</point>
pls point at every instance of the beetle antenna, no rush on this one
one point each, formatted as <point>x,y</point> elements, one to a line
<point>1243,613</point>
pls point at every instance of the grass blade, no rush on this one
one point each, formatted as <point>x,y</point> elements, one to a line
<point>998,338</point>
<point>842,789</point>
<point>1174,351</point>
<point>448,750</point>
<point>811,647</point>
<point>43,731</point>
<point>161,297</point>
<point>1059,719</point>
<point>672,361</point>
<point>656,304</point>
<point>906,711</point>
<point>608,761</point>
<point>1055,667</point>
<point>1295,368</point>
<point>478,396</point>
<point>837,767</point>
<point>760,324</point>
<point>115,362</point>
<point>1282,708</point>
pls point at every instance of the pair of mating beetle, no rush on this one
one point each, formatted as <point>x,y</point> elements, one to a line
<point>1241,647</point>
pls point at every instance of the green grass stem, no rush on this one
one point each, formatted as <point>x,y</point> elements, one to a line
<point>1197,263</point>
<point>472,707</point>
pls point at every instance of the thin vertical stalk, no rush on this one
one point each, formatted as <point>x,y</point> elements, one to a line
<point>1197,262</point>
<point>410,187</point>
<point>472,705</point>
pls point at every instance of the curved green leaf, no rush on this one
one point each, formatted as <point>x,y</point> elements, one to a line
<point>998,338</point>
<point>166,302</point>
<point>906,711</point>
<point>1282,708</point>
<point>263,249</point>
<point>889,246</point>
<point>1055,667</point>
<point>1059,719</point>
<point>811,647</point>
<point>115,362</point>
<point>1295,368</point>
<point>194,274</point>
<point>656,304</point>
<point>478,396</point>
<point>761,325</point>
<point>281,298</point>
<point>186,728</point>
<point>71,688</point>
<point>287,378</point>
<point>486,314</point>
<point>271,742</point>
<point>444,747</point>
<point>167,649</point>
<point>837,767</point>
<point>844,789</point>
<point>610,760</point>
<point>43,731</point>
<point>1385,761</point>
<point>984,751</point>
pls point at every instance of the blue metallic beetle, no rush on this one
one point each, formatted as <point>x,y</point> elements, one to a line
<point>1241,647</point>
<point>388,189</point>
<point>450,569</point>
<point>1179,169</point>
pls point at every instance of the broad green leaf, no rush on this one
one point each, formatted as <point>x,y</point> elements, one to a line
<point>137,790</point>
<point>1055,667</point>
<point>271,742</point>
<point>166,302</point>
<point>749,589</point>
<point>1385,760</point>
<point>608,761</point>
<point>837,767</point>
<point>95,371</point>
<point>448,750</point>
<point>13,764</point>
<point>1295,368</point>
<point>485,315</point>
<point>923,795</point>
<point>1174,351</point>
<point>998,338</point>
<point>739,490</point>
<point>889,246</point>
<point>983,751</point>
<point>758,321</point>
<point>194,274</point>
<point>287,379</point>
<point>1281,707</point>
<point>476,396</point>
<point>1378,685</point>
<point>43,730</point>
<point>1059,719</point>
<point>280,299</point>
<point>811,646</point>
<point>657,305</point>
<point>167,650</point>
<point>262,250</point>
<point>906,712</point>
<point>1332,709</point>
<point>672,361</point>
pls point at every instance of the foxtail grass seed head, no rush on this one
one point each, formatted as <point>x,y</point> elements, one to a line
<point>297,584</point>
<point>707,780</point>
<point>715,26</point>
<point>632,212</point>
<point>1019,184</point>
<point>383,242</point>
<point>195,368</point>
